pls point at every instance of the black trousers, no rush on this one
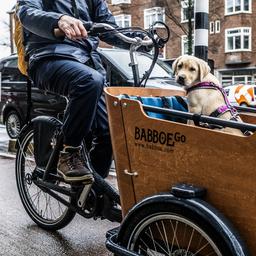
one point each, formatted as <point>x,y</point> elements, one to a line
<point>86,110</point>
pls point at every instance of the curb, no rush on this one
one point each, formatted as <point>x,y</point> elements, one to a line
<point>7,155</point>
<point>11,150</point>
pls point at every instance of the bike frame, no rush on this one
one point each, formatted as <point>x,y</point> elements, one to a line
<point>51,166</point>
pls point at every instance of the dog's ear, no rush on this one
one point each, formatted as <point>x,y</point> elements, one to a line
<point>204,69</point>
<point>175,64</point>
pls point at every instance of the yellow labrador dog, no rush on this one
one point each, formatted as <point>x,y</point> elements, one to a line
<point>204,92</point>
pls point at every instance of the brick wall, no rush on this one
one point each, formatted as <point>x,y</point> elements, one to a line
<point>216,40</point>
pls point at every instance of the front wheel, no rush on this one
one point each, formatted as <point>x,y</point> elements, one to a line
<point>44,210</point>
<point>170,230</point>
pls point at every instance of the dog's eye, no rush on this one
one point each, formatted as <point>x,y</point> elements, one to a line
<point>179,66</point>
<point>192,69</point>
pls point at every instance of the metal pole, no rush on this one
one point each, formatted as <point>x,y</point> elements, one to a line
<point>190,28</point>
<point>11,32</point>
<point>201,28</point>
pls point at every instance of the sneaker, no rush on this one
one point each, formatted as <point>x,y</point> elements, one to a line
<point>71,166</point>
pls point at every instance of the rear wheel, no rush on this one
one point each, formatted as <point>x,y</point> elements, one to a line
<point>166,229</point>
<point>13,124</point>
<point>44,209</point>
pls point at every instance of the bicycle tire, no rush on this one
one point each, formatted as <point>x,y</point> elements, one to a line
<point>44,219</point>
<point>180,224</point>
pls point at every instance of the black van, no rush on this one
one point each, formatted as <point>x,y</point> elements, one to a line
<point>13,98</point>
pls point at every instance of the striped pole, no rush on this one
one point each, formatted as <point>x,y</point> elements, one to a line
<point>201,28</point>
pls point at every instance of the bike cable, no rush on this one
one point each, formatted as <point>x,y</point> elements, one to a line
<point>150,34</point>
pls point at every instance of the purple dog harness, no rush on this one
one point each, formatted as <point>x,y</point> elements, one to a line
<point>222,109</point>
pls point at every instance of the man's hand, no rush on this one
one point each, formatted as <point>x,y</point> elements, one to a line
<point>72,27</point>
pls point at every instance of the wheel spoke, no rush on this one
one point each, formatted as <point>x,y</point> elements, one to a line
<point>174,234</point>
<point>155,242</point>
<point>164,238</point>
<point>191,237</point>
<point>202,248</point>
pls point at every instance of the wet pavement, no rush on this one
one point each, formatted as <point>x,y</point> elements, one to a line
<point>20,236</point>
<point>3,139</point>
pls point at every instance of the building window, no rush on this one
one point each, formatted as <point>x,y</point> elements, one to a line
<point>233,79</point>
<point>121,1</point>
<point>211,27</point>
<point>185,11</point>
<point>184,44</point>
<point>238,39</point>
<point>238,6</point>
<point>123,20</point>
<point>226,81</point>
<point>214,27</point>
<point>153,14</point>
<point>217,26</point>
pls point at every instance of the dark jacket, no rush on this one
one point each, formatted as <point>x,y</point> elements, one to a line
<point>40,17</point>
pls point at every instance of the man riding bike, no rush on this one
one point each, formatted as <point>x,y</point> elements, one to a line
<point>69,65</point>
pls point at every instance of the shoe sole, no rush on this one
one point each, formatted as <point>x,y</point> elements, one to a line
<point>88,177</point>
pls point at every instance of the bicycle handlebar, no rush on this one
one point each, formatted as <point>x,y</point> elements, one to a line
<point>152,38</point>
<point>99,28</point>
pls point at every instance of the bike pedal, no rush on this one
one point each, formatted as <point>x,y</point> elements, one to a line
<point>83,196</point>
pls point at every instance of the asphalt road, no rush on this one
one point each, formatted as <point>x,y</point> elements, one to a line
<point>20,236</point>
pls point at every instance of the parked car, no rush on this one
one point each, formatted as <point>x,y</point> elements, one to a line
<point>241,95</point>
<point>13,100</point>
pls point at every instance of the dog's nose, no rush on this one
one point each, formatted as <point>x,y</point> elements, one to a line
<point>181,80</point>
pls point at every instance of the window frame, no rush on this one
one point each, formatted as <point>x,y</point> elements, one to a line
<point>211,27</point>
<point>226,81</point>
<point>116,2</point>
<point>182,12</point>
<point>242,34</point>
<point>122,18</point>
<point>217,24</point>
<point>154,12</point>
<point>241,10</point>
<point>183,38</point>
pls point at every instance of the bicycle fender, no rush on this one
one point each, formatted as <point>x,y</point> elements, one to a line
<point>38,119</point>
<point>202,209</point>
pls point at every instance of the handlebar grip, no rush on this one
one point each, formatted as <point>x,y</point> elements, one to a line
<point>88,25</point>
<point>59,33</point>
